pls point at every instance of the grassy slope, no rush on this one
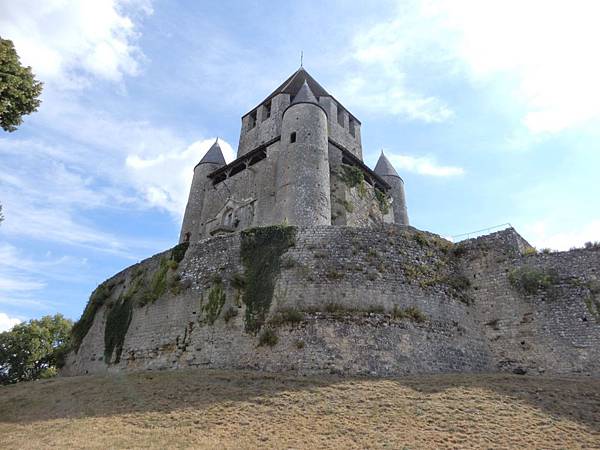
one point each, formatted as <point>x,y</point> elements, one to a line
<point>223,409</point>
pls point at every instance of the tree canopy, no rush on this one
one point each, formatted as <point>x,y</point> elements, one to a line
<point>19,90</point>
<point>34,349</point>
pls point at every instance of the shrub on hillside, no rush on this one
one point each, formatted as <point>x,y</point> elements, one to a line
<point>34,349</point>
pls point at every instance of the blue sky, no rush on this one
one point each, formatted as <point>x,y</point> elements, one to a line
<point>490,111</point>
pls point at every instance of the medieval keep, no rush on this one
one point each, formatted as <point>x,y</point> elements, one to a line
<point>328,276</point>
<point>299,162</point>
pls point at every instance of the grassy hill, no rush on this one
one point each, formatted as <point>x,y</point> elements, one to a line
<point>235,409</point>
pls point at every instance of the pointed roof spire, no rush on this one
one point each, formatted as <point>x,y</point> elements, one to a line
<point>214,155</point>
<point>384,167</point>
<point>305,95</point>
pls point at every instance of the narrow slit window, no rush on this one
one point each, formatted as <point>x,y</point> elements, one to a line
<point>340,115</point>
<point>293,137</point>
<point>352,127</point>
<point>252,120</point>
<point>267,110</point>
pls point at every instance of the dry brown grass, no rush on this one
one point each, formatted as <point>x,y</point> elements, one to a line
<point>225,409</point>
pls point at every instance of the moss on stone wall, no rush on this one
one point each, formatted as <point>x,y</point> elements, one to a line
<point>530,280</point>
<point>383,201</point>
<point>261,250</point>
<point>117,324</point>
<point>354,178</point>
<point>214,305</point>
<point>98,298</point>
<point>178,252</point>
<point>139,291</point>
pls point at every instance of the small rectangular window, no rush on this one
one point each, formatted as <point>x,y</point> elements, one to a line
<point>252,120</point>
<point>293,137</point>
<point>266,110</point>
<point>340,115</point>
<point>352,126</point>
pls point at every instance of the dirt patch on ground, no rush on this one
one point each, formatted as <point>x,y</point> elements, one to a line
<point>236,409</point>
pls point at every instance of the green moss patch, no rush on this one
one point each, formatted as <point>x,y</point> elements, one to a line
<point>268,337</point>
<point>117,324</point>
<point>214,305</point>
<point>140,291</point>
<point>410,313</point>
<point>529,280</point>
<point>353,177</point>
<point>261,250</point>
<point>98,298</point>
<point>383,201</point>
<point>178,252</point>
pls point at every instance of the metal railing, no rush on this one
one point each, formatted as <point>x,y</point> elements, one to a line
<point>472,234</point>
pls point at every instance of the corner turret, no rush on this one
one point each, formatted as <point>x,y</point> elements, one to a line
<point>211,161</point>
<point>386,171</point>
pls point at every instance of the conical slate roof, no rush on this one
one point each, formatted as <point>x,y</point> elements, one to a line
<point>214,155</point>
<point>305,95</point>
<point>384,167</point>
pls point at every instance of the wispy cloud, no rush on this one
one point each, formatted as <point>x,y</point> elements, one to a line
<point>422,165</point>
<point>68,41</point>
<point>24,276</point>
<point>170,193</point>
<point>543,234</point>
<point>511,47</point>
<point>7,322</point>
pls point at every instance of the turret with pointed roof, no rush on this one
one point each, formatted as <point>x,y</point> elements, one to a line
<point>385,170</point>
<point>214,155</point>
<point>212,160</point>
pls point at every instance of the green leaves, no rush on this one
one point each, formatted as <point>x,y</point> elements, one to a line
<point>19,90</point>
<point>34,349</point>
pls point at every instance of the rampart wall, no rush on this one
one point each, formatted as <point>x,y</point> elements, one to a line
<point>357,301</point>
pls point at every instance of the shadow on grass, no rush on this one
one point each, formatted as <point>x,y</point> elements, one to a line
<point>574,398</point>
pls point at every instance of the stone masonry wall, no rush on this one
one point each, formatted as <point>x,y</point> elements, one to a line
<point>385,302</point>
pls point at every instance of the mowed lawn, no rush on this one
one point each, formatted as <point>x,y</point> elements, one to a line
<point>238,409</point>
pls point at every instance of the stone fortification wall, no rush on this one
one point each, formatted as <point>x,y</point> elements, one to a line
<point>540,311</point>
<point>358,301</point>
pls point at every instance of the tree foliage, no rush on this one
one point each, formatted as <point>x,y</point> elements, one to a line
<point>19,90</point>
<point>33,349</point>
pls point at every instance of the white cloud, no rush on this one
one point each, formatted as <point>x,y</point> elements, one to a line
<point>66,41</point>
<point>388,93</point>
<point>541,235</point>
<point>422,165</point>
<point>6,322</point>
<point>23,277</point>
<point>170,192</point>
<point>540,54</point>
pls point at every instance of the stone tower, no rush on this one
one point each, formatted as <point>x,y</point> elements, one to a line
<point>212,160</point>
<point>299,161</point>
<point>385,170</point>
<point>302,186</point>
